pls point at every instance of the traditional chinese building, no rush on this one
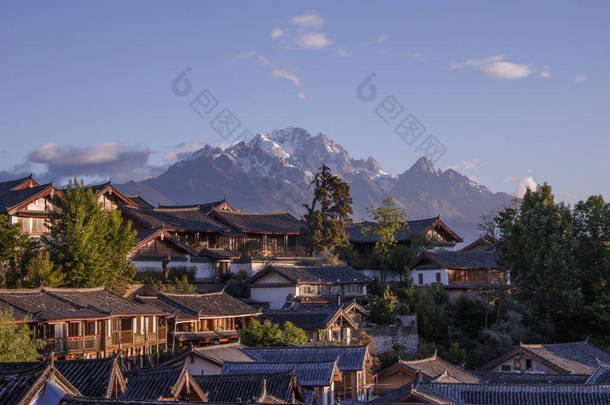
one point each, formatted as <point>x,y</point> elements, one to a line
<point>27,203</point>
<point>90,323</point>
<point>278,284</point>
<point>202,319</point>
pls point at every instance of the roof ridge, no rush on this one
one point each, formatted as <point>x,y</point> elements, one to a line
<point>252,213</point>
<point>577,342</point>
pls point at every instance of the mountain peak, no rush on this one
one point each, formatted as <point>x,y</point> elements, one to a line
<point>423,165</point>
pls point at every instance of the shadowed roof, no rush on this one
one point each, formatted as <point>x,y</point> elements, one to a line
<point>249,388</point>
<point>14,184</point>
<point>178,219</point>
<point>13,198</point>
<point>357,232</point>
<point>351,358</point>
<point>319,374</point>
<point>460,259</point>
<point>267,223</point>
<point>92,377</point>
<point>206,208</point>
<point>514,394</point>
<point>211,304</point>
<point>431,368</point>
<point>102,300</point>
<point>315,274</point>
<point>159,382</point>
<point>45,307</point>
<point>565,358</point>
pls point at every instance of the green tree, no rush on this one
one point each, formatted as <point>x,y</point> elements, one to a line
<point>330,208</point>
<point>592,233</point>
<point>383,308</point>
<point>89,244</point>
<point>263,334</point>
<point>388,221</point>
<point>179,285</point>
<point>16,248</point>
<point>40,271</point>
<point>538,246</point>
<point>293,335</point>
<point>16,343</point>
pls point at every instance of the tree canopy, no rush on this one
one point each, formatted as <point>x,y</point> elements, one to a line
<point>16,343</point>
<point>89,244</point>
<point>330,208</point>
<point>261,334</point>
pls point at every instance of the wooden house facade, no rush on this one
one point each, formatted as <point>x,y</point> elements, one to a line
<point>202,319</point>
<point>90,323</point>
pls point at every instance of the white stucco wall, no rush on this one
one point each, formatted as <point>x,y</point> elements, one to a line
<point>203,271</point>
<point>199,366</point>
<point>429,276</point>
<point>275,296</point>
<point>249,267</point>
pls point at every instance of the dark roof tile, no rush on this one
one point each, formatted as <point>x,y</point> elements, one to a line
<point>180,219</point>
<point>267,223</point>
<point>351,358</point>
<point>319,374</point>
<point>211,304</point>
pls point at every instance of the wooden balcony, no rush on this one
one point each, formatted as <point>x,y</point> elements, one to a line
<point>78,344</point>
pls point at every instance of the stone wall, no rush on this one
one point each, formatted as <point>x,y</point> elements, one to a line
<point>386,337</point>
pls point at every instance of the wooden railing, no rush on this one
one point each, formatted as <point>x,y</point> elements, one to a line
<point>75,344</point>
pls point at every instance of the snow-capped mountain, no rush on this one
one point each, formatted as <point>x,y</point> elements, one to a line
<point>273,171</point>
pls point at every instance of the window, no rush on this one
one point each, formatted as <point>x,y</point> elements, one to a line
<point>73,329</point>
<point>126,324</point>
<point>438,277</point>
<point>135,325</point>
<point>528,364</point>
<point>506,368</point>
<point>90,328</point>
<point>420,278</point>
<point>51,334</point>
<point>517,364</point>
<point>154,324</point>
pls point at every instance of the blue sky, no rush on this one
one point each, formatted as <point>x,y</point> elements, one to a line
<point>515,91</point>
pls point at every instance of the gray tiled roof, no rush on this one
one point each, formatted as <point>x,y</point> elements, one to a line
<point>517,394</point>
<point>215,303</point>
<point>155,383</point>
<point>45,307</point>
<point>575,357</point>
<point>418,226</point>
<point>319,374</point>
<point>225,352</point>
<point>433,367</point>
<point>351,358</point>
<point>92,377</point>
<point>9,199</point>
<point>206,208</point>
<point>248,388</point>
<point>317,274</point>
<point>461,259</point>
<point>269,223</point>
<point>180,219</point>
<point>166,307</point>
<point>103,300</point>
<point>601,375</point>
<point>139,201</point>
<point>10,184</point>
<point>518,378</point>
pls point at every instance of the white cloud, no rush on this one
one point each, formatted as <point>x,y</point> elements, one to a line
<point>312,40</point>
<point>308,20</point>
<point>111,160</point>
<point>342,53</point>
<point>277,33</point>
<point>301,95</point>
<point>545,74</point>
<point>507,70</point>
<point>580,79</point>
<point>495,66</point>
<point>184,150</point>
<point>285,74</point>
<point>263,60</point>
<point>382,38</point>
<point>244,55</point>
<point>523,184</point>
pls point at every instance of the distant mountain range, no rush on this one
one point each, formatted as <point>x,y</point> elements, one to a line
<point>272,172</point>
